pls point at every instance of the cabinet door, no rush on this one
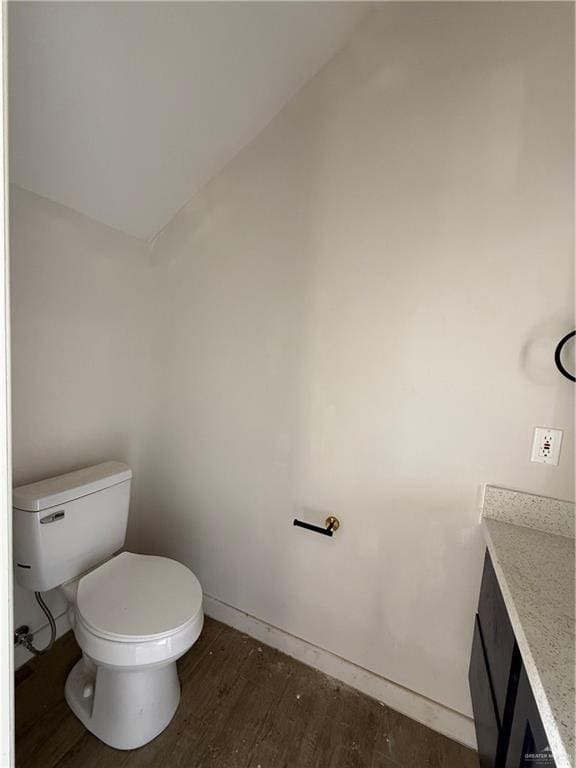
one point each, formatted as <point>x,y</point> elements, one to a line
<point>485,718</point>
<point>528,746</point>
<point>497,635</point>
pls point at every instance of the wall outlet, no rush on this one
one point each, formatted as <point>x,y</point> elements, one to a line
<point>546,445</point>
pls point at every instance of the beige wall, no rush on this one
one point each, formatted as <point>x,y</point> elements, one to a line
<point>359,317</point>
<point>80,348</point>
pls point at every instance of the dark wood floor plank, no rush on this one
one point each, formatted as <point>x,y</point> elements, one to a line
<point>90,752</point>
<point>188,663</point>
<point>213,702</point>
<point>355,726</point>
<point>261,685</point>
<point>43,684</point>
<point>281,734</point>
<point>326,745</point>
<point>205,697</point>
<point>412,744</point>
<point>44,728</point>
<point>294,733</point>
<point>49,738</point>
<point>244,705</point>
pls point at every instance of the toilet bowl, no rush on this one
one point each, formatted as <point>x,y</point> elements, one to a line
<point>133,617</point>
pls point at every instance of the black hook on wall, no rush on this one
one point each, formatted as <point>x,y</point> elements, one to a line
<point>332,524</point>
<point>558,356</point>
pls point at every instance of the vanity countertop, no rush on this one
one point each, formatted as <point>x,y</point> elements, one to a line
<point>535,571</point>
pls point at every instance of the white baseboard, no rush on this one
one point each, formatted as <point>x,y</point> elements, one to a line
<point>41,638</point>
<point>430,713</point>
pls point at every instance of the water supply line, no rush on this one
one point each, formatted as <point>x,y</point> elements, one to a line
<point>23,636</point>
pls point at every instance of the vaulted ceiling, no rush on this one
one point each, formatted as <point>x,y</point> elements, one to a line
<point>123,111</point>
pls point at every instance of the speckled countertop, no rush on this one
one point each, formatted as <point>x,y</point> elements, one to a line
<point>535,570</point>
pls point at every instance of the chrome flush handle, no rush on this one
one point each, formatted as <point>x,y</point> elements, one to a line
<point>53,518</point>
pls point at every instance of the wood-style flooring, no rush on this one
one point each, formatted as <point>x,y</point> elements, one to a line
<point>244,705</point>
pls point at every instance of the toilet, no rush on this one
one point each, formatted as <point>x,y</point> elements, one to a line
<point>133,615</point>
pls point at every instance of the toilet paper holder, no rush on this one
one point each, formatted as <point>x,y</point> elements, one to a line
<point>332,524</point>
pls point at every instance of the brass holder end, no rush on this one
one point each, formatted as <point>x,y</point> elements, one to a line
<point>332,523</point>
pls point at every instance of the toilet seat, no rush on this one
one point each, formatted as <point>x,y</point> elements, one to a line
<point>138,598</point>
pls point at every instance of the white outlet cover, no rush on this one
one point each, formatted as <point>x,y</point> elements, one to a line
<point>546,445</point>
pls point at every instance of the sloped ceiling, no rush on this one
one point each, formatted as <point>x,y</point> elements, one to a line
<point>122,111</point>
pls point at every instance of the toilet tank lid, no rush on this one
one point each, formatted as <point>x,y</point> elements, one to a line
<point>58,490</point>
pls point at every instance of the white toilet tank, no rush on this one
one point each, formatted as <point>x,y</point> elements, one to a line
<point>68,524</point>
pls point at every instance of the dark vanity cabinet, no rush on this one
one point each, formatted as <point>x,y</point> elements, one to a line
<point>508,727</point>
<point>528,745</point>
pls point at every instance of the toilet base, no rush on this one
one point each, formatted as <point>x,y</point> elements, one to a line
<point>123,708</point>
